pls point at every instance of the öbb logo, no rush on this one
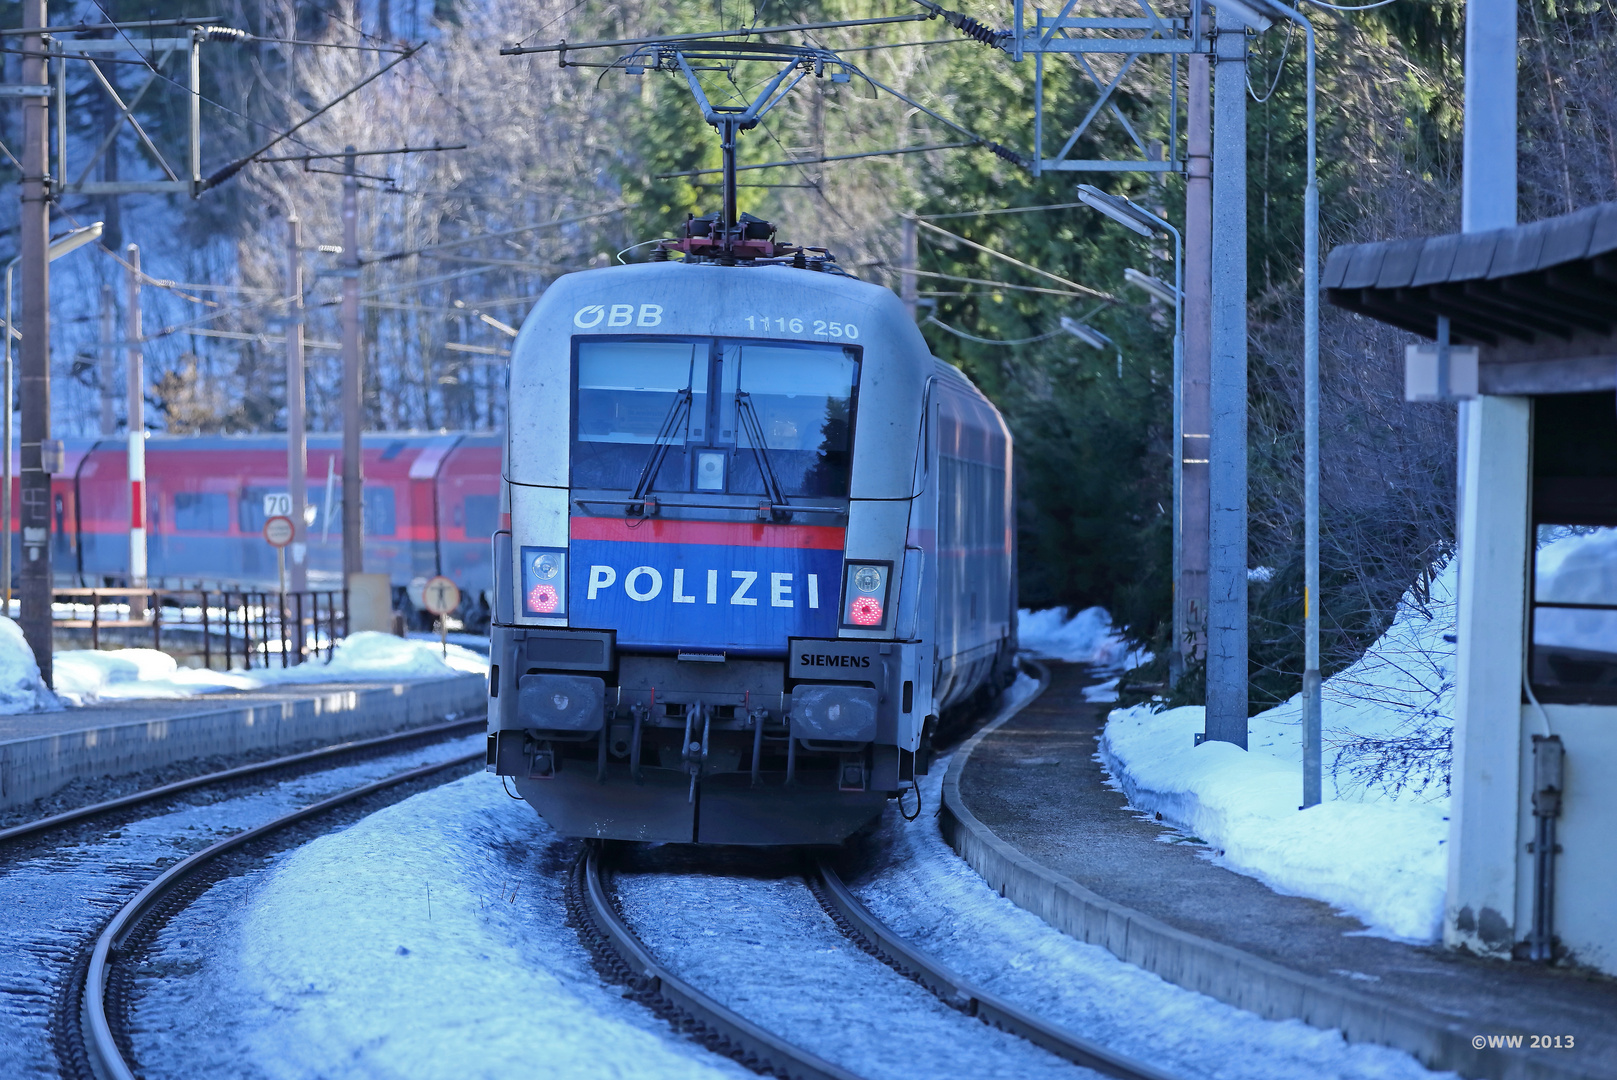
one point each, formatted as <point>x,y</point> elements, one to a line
<point>593,315</point>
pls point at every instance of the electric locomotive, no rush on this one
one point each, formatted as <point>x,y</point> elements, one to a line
<point>759,541</point>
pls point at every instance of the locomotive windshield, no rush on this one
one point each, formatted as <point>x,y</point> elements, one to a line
<point>784,409</point>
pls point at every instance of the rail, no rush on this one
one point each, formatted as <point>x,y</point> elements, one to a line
<point>96,1047</point>
<point>252,626</point>
<point>878,939</point>
<point>628,962</point>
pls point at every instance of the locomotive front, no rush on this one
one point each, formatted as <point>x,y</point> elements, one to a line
<point>704,631</point>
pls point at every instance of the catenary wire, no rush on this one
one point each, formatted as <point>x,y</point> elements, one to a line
<point>935,321</point>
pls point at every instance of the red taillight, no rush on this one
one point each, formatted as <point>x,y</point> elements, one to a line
<point>865,611</point>
<point>543,598</point>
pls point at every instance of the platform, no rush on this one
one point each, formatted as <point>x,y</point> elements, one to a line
<point>42,752</point>
<point>1026,803</point>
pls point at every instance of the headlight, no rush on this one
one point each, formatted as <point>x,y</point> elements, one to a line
<point>544,582</point>
<point>864,595</point>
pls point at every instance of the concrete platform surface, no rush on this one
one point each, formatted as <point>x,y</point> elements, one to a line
<point>42,752</point>
<point>1035,783</point>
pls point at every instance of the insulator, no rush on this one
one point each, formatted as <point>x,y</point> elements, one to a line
<point>1007,154</point>
<point>221,33</point>
<point>974,29</point>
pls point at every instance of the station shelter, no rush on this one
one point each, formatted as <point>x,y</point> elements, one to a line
<point>1529,314</point>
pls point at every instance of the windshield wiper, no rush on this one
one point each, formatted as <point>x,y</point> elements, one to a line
<point>760,452</point>
<point>659,450</point>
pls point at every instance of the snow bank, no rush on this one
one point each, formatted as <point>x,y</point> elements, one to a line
<point>1375,848</point>
<point>21,688</point>
<point>428,939</point>
<point>87,676</point>
<point>1086,637</point>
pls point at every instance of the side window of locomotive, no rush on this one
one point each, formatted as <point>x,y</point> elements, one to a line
<point>803,399</point>
<point>629,393</point>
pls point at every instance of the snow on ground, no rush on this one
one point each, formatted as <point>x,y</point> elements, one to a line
<point>88,676</point>
<point>430,939</point>
<point>426,940</point>
<point>1375,848</point>
<point>21,688</point>
<point>55,898</point>
<point>1087,637</point>
<point>1014,953</point>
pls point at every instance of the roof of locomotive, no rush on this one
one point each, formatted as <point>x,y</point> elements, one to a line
<point>711,300</point>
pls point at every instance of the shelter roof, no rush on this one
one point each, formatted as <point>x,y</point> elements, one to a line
<point>1552,282</point>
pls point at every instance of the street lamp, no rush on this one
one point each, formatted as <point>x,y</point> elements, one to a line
<point>1260,15</point>
<point>1155,286</point>
<point>1091,337</point>
<point>1147,224</point>
<point>69,241</point>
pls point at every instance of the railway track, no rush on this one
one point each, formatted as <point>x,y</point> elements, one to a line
<point>91,1022</point>
<point>624,959</point>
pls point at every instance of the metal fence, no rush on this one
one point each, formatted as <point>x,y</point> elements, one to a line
<point>258,628</point>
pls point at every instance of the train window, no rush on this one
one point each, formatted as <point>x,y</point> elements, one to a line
<point>250,508</point>
<point>381,514</point>
<point>482,516</point>
<point>803,398</point>
<point>627,388</point>
<point>380,519</point>
<point>202,511</point>
<point>629,392</point>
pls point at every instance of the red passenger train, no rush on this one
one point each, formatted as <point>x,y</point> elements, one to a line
<point>431,505</point>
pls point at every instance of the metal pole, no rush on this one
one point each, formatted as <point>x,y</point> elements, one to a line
<point>727,146</point>
<point>353,537</point>
<point>34,225</point>
<point>1176,666</point>
<point>1312,701</point>
<point>909,259</point>
<point>1488,178</point>
<point>109,315</point>
<point>1488,192</point>
<point>6,523</point>
<point>1227,555</point>
<point>297,458</point>
<point>137,424</point>
<point>1196,420</point>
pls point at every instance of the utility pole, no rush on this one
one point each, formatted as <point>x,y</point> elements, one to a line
<point>109,416</point>
<point>1493,541</point>
<point>1227,483</point>
<point>909,262</point>
<point>136,373</point>
<point>353,535</point>
<point>34,226</point>
<point>297,461</point>
<point>1195,425</point>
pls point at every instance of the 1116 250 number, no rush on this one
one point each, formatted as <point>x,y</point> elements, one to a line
<point>786,324</point>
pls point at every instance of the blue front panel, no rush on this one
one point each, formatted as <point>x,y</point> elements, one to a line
<point>723,596</point>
